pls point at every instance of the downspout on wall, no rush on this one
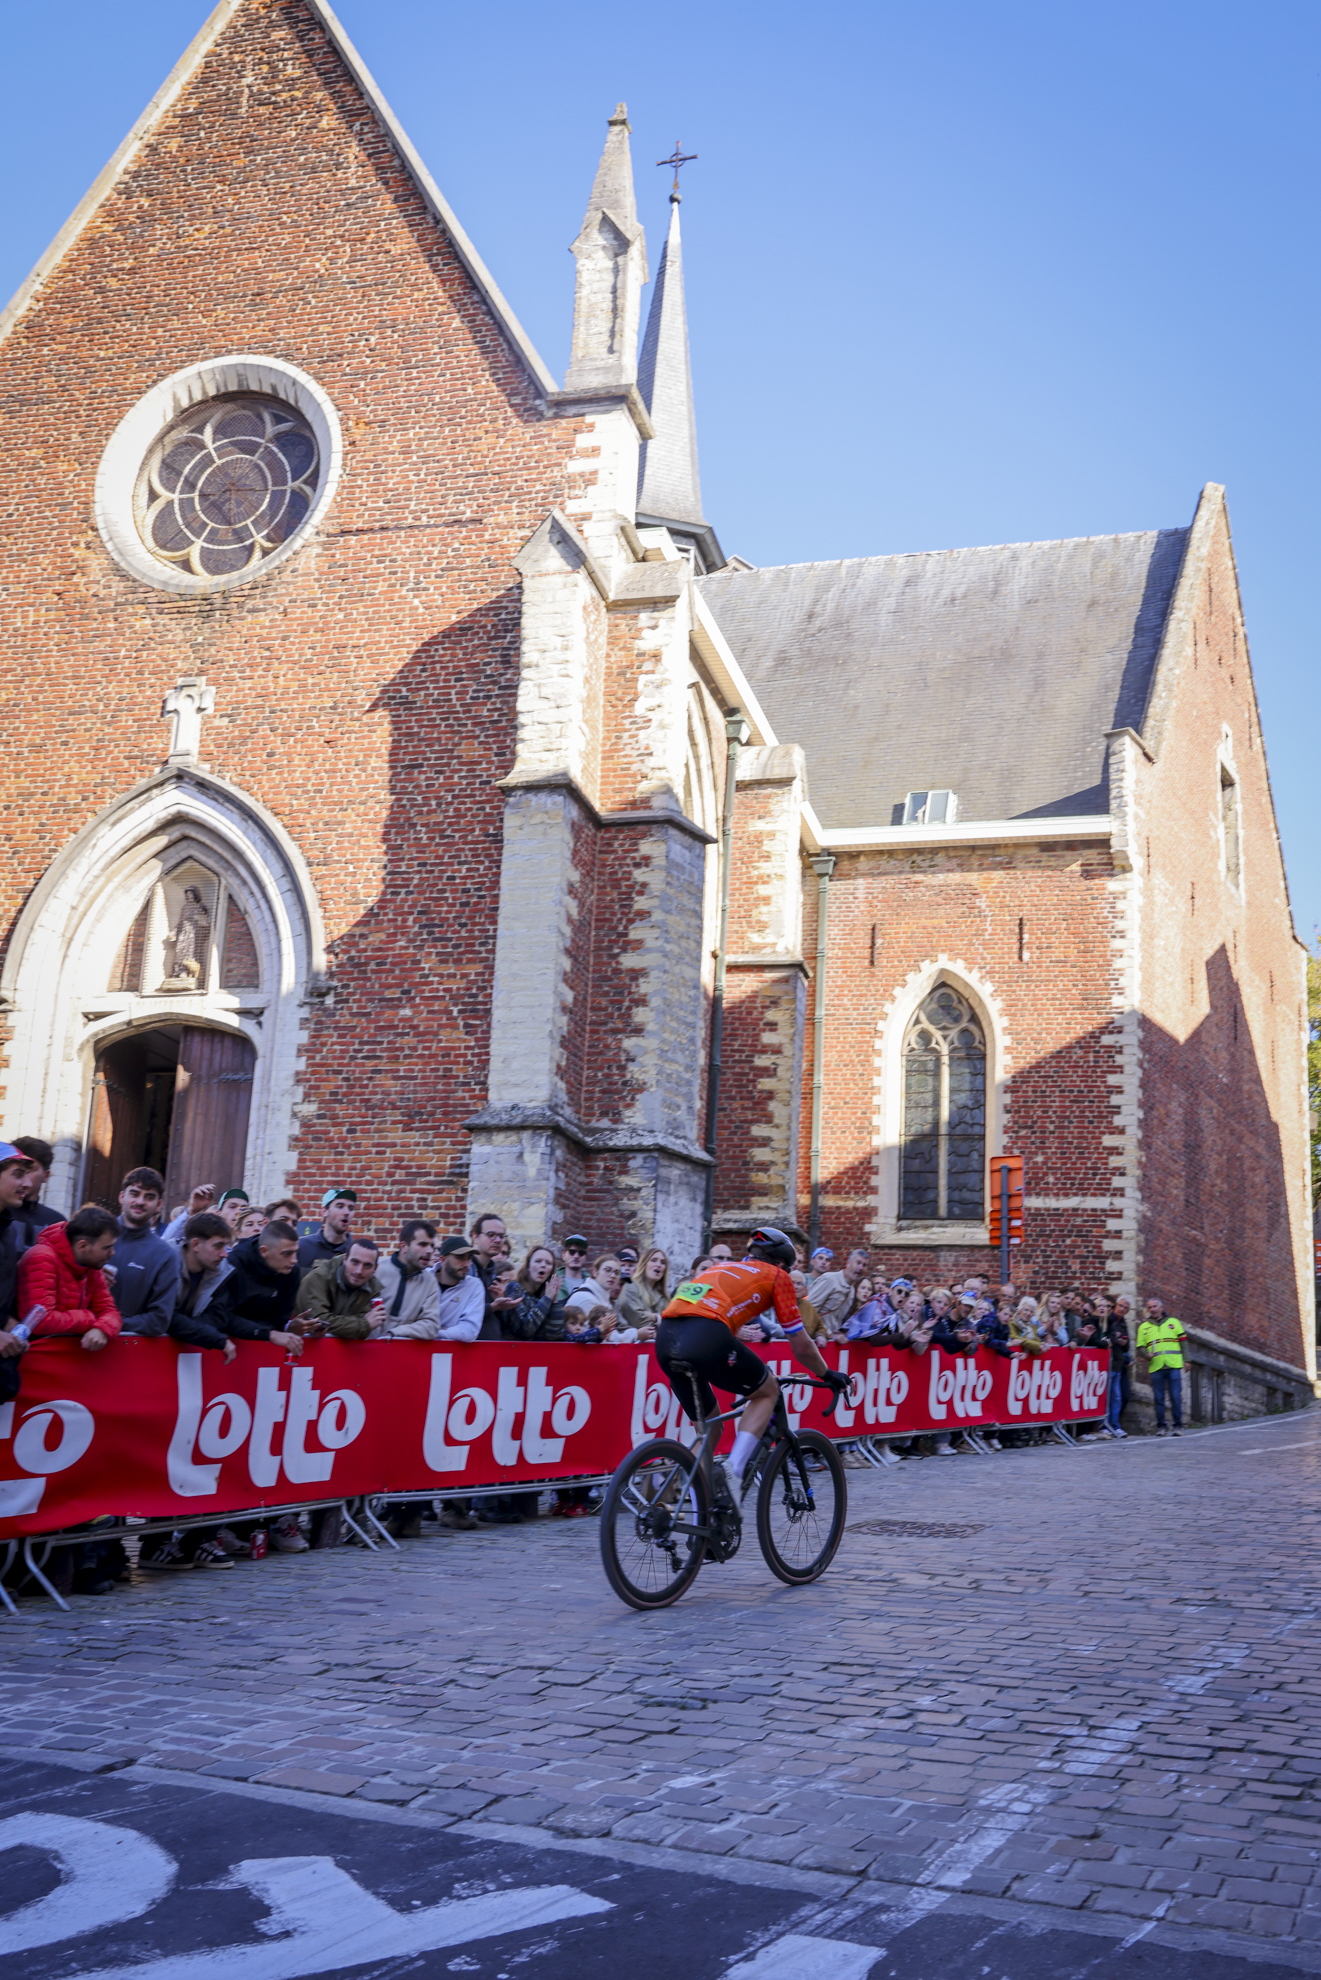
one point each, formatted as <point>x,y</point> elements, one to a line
<point>736,734</point>
<point>823,865</point>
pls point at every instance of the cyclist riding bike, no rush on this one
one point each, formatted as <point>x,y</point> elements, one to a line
<point>700,1328</point>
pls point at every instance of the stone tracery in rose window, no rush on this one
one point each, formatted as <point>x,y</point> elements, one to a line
<point>944,1133</point>
<point>226,484</point>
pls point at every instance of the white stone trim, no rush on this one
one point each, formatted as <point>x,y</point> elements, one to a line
<point>58,965</point>
<point>891,1028</point>
<point>970,832</point>
<point>1126,889</point>
<point>1225,763</point>
<point>128,445</point>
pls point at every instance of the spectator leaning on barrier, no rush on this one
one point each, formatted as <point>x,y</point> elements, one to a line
<point>573,1269</point>
<point>1160,1338</point>
<point>341,1296</point>
<point>539,1316</point>
<point>63,1272</point>
<point>256,1300</point>
<point>1024,1328</point>
<point>15,1169</point>
<point>832,1293</point>
<point>460,1317</point>
<point>330,1239</point>
<point>462,1304</point>
<point>410,1294</point>
<point>145,1265</point>
<point>34,1214</point>
<point>646,1292</point>
<point>602,1289</point>
<point>813,1325</point>
<point>488,1243</point>
<point>200,1255</point>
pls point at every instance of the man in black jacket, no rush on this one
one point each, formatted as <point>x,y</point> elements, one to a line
<point>34,1215</point>
<point>15,1172</point>
<point>255,1301</point>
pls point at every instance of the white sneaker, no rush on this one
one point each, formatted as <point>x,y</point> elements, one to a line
<point>1118,1433</point>
<point>286,1539</point>
<point>946,1450</point>
<point>887,1456</point>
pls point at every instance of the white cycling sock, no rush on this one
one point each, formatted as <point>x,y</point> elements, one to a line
<point>744,1445</point>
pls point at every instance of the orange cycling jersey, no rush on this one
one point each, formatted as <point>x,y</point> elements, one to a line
<point>736,1294</point>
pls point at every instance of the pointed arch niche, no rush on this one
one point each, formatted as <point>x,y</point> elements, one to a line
<point>898,1030</point>
<point>183,912</point>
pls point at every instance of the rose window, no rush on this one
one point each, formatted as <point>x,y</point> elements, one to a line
<point>226,484</point>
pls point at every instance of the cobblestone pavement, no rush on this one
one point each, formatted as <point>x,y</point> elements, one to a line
<point>1092,1689</point>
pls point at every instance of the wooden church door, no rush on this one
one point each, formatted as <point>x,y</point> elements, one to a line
<point>212,1096</point>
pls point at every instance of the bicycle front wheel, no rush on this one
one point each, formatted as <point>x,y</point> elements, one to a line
<point>653,1524</point>
<point>801,1508</point>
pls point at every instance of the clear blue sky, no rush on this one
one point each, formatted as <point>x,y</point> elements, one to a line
<point>961,274</point>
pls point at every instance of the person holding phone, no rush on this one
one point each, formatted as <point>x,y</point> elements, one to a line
<point>341,1296</point>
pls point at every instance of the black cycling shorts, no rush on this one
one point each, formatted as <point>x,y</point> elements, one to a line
<point>714,1354</point>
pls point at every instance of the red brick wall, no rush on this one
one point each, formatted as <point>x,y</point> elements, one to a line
<point>365,690</point>
<point>1225,1236</point>
<point>967,903</point>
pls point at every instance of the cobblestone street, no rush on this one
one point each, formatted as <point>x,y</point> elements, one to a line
<point>1065,1686</point>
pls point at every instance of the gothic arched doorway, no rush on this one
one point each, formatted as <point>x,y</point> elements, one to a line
<point>174,1098</point>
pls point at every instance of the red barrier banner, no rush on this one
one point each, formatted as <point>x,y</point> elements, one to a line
<point>152,1430</point>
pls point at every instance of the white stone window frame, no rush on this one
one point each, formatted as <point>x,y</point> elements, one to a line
<point>1225,766</point>
<point>139,429</point>
<point>888,1119</point>
<point>53,986</point>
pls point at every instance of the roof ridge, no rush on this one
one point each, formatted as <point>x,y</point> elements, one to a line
<point>164,99</point>
<point>958,549</point>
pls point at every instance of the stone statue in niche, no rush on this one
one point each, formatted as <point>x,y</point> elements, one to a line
<point>190,938</point>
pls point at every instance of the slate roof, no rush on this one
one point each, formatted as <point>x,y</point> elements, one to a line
<point>991,672</point>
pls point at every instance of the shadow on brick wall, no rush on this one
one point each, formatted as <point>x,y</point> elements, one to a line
<point>1216,1244</point>
<point>400,1059</point>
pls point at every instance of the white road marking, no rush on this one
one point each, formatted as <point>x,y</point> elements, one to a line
<point>798,1958</point>
<point>330,1922</point>
<point>1265,1450</point>
<point>108,1874</point>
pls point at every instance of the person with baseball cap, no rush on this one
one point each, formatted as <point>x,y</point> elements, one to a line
<point>330,1238</point>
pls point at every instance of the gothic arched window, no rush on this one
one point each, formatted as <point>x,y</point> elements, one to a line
<point>944,1131</point>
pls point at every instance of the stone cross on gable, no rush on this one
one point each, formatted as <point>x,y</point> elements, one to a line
<point>186,704</point>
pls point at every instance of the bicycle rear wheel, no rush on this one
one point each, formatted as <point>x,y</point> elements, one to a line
<point>801,1509</point>
<point>649,1549</point>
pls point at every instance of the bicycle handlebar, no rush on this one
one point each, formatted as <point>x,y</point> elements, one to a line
<point>813,1382</point>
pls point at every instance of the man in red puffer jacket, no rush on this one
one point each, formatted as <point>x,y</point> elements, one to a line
<point>62,1272</point>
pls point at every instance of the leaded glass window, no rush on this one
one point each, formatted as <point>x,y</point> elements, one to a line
<point>226,484</point>
<point>944,1133</point>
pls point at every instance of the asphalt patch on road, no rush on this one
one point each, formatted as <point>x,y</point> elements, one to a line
<point>109,1877</point>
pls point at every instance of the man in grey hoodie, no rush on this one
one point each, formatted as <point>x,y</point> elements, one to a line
<point>146,1268</point>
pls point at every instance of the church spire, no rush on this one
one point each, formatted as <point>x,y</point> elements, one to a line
<point>668,485</point>
<point>611,252</point>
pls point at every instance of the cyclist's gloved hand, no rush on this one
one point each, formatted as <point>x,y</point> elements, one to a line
<point>838,1381</point>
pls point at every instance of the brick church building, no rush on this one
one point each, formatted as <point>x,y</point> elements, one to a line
<point>398,767</point>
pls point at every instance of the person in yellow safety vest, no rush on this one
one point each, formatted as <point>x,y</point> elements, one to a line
<point>1160,1338</point>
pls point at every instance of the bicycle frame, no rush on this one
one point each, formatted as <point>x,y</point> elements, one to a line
<point>708,1433</point>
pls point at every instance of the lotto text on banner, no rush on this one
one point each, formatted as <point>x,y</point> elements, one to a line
<point>154,1431</point>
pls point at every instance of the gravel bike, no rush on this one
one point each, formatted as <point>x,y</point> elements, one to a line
<point>668,1508</point>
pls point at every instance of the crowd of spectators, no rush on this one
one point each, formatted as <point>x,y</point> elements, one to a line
<point>220,1270</point>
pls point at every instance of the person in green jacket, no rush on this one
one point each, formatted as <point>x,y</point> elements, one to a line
<point>1160,1338</point>
<point>337,1295</point>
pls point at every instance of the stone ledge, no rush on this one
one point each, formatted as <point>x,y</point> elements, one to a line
<point>599,1140</point>
<point>560,780</point>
